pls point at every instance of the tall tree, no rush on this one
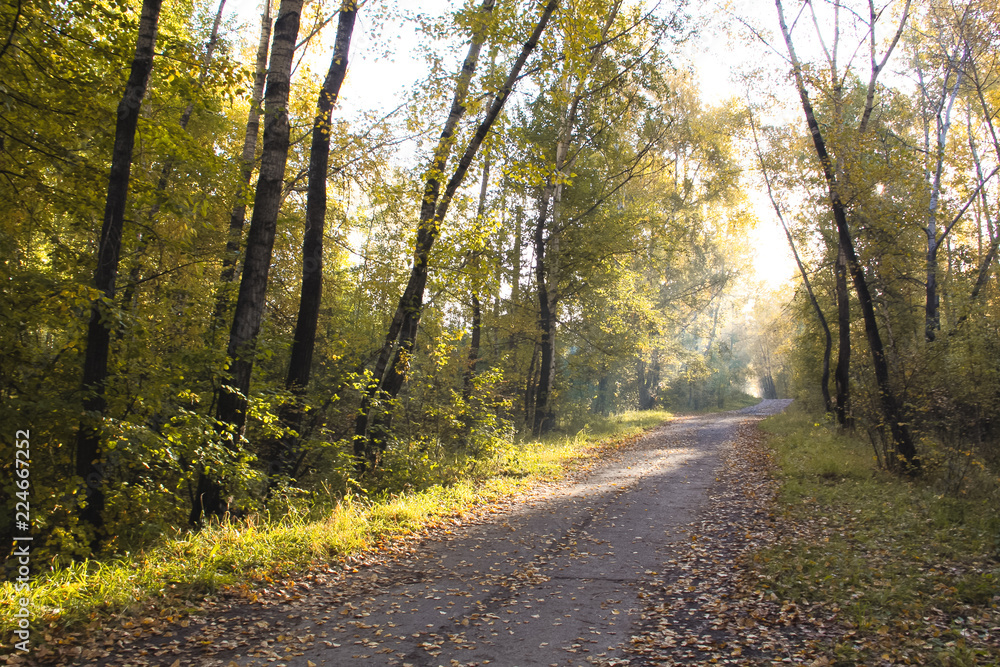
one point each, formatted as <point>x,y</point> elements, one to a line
<point>235,386</point>
<point>820,317</point>
<point>938,94</point>
<point>891,410</point>
<point>391,365</point>
<point>95,369</point>
<point>237,217</point>
<point>300,363</point>
<point>572,88</point>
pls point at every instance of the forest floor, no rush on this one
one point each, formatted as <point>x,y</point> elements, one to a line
<point>645,556</point>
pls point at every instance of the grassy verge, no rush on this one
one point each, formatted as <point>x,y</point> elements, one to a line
<point>183,570</point>
<point>910,574</point>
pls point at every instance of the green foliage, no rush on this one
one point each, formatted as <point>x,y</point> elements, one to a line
<point>646,254</point>
<point>240,555</point>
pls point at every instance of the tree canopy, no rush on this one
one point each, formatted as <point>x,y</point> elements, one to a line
<point>277,286</point>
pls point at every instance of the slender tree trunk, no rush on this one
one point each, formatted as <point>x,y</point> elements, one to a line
<point>653,380</point>
<point>250,303</point>
<point>542,416</point>
<point>237,217</point>
<point>942,123</point>
<point>474,345</point>
<point>547,270</point>
<point>393,361</point>
<point>986,264</point>
<point>515,264</point>
<point>842,373</point>
<point>300,366</point>
<point>95,368</point>
<point>129,294</point>
<point>477,315</point>
<point>891,411</point>
<point>283,461</point>
<point>932,304</point>
<point>640,380</point>
<point>529,388</point>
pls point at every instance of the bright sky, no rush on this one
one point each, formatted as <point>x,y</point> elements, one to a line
<point>376,82</point>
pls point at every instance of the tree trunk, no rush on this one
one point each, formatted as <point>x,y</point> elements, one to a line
<point>95,368</point>
<point>235,386</point>
<point>238,215</point>
<point>129,293</point>
<point>842,374</point>
<point>474,344</point>
<point>529,388</point>
<point>942,119</point>
<point>477,315</point>
<point>547,271</point>
<point>369,441</point>
<point>304,343</point>
<point>515,264</point>
<point>891,412</point>
<point>543,416</point>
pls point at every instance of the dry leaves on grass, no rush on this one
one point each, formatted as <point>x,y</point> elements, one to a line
<point>704,607</point>
<point>720,602</point>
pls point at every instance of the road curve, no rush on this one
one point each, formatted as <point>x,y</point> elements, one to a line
<point>551,583</point>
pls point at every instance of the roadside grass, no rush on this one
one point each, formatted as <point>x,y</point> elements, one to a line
<point>179,573</point>
<point>910,571</point>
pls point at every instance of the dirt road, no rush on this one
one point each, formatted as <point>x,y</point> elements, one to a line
<point>555,581</point>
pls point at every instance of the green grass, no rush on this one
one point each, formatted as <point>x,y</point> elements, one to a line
<point>910,570</point>
<point>240,554</point>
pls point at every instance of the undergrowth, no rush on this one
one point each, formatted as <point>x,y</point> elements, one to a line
<point>189,566</point>
<point>910,567</point>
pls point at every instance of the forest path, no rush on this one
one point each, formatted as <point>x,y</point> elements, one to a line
<point>555,580</point>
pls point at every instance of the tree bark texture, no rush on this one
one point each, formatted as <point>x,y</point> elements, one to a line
<point>235,386</point>
<point>95,369</point>
<point>392,363</point>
